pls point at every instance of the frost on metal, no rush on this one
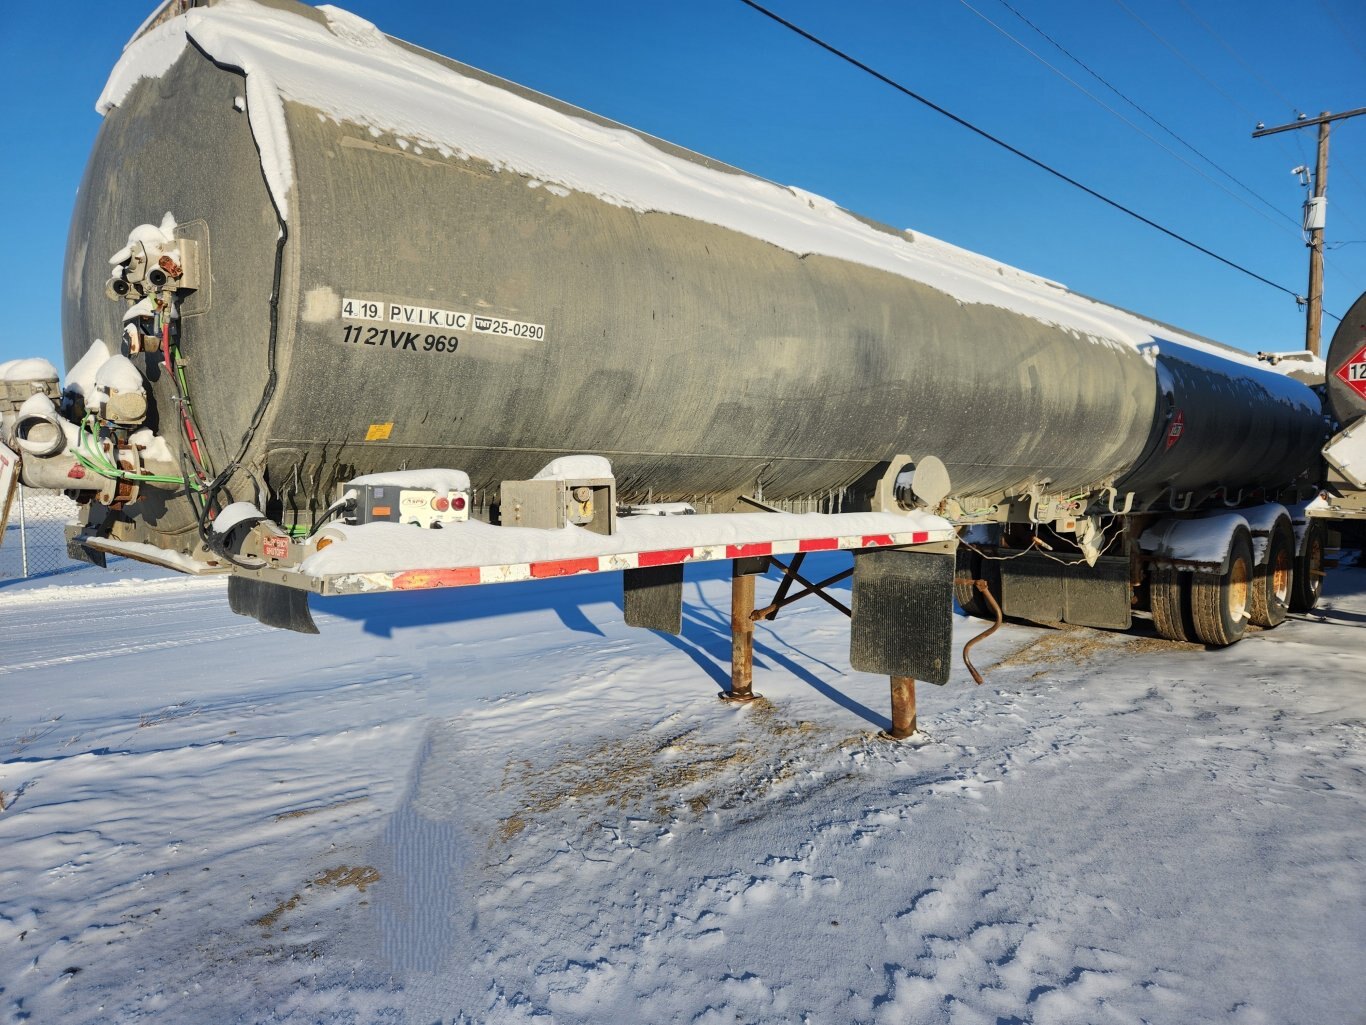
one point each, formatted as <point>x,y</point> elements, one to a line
<point>430,480</point>
<point>582,467</point>
<point>349,71</point>
<point>392,548</point>
<point>1195,541</point>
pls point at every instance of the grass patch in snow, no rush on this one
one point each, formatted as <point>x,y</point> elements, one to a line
<point>339,877</point>
<point>664,775</point>
<point>1076,645</point>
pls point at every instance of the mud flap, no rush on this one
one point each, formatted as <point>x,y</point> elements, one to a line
<point>653,598</point>
<point>1042,590</point>
<point>78,552</point>
<point>902,623</point>
<point>1100,595</point>
<point>271,604</point>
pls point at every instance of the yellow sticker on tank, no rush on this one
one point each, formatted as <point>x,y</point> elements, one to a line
<point>379,432</point>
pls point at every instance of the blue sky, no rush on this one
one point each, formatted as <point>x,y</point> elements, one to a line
<point>716,77</point>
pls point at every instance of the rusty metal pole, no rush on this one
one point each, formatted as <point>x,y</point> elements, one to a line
<point>903,708</point>
<point>741,636</point>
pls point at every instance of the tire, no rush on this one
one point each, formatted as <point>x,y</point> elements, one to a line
<point>1274,580</point>
<point>1222,602</point>
<point>1169,599</point>
<point>971,566</point>
<point>1308,584</point>
<point>966,570</point>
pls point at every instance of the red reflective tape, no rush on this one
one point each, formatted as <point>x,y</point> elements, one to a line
<point>664,558</point>
<point>564,567</point>
<point>920,537</point>
<point>420,579</point>
<point>749,551</point>
<point>819,544</point>
<point>873,540</point>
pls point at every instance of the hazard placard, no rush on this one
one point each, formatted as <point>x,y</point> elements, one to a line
<point>1353,372</point>
<point>1177,428</point>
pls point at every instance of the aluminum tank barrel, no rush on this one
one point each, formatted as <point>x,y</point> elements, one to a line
<point>1223,425</point>
<point>474,275</point>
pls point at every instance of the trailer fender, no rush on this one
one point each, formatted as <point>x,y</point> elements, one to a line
<point>1264,521</point>
<point>1202,542</point>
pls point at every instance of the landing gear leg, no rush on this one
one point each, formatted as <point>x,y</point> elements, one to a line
<point>903,709</point>
<point>741,636</point>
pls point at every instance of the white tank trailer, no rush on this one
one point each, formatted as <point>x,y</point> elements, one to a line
<point>305,252</point>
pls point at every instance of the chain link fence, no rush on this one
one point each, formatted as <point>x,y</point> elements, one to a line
<point>35,537</point>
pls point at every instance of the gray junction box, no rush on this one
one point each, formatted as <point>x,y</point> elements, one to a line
<point>589,502</point>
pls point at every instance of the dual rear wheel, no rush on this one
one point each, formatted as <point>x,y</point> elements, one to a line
<point>1215,608</point>
<point>1221,603</point>
<point>1308,582</point>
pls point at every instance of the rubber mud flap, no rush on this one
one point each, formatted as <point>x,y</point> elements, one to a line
<point>77,552</point>
<point>1034,588</point>
<point>902,623</point>
<point>1100,595</point>
<point>271,604</point>
<point>653,598</point>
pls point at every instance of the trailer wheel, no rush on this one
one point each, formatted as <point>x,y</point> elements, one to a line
<point>1304,594</point>
<point>971,566</point>
<point>1169,599</point>
<point>1222,602</point>
<point>1274,580</point>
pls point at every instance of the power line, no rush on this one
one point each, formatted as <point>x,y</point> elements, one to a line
<point>1345,168</point>
<point>1098,77</point>
<point>1186,60</point>
<point>1156,142</point>
<point>1236,56</point>
<point>1345,36</point>
<point>1008,147</point>
<point>1270,87</point>
<point>1195,68</point>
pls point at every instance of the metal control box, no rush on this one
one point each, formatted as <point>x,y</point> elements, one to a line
<point>423,507</point>
<point>589,502</point>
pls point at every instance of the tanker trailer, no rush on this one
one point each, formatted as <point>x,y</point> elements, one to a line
<point>1344,496</point>
<point>336,257</point>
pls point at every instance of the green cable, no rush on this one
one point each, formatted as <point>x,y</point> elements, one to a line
<point>174,351</point>
<point>100,465</point>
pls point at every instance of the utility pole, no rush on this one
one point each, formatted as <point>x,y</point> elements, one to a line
<point>1314,222</point>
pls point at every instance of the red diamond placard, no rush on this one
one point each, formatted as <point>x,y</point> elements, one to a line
<point>1177,428</point>
<point>1353,372</point>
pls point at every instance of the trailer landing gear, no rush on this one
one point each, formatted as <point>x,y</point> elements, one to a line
<point>896,628</point>
<point>742,632</point>
<point>903,710</point>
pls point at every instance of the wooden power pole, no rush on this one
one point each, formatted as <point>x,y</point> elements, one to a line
<point>1314,319</point>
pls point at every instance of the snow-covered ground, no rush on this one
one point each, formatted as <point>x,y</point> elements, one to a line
<point>501,805</point>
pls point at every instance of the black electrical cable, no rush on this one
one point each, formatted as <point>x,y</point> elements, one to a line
<point>344,504</point>
<point>221,481</point>
<point>1011,149</point>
